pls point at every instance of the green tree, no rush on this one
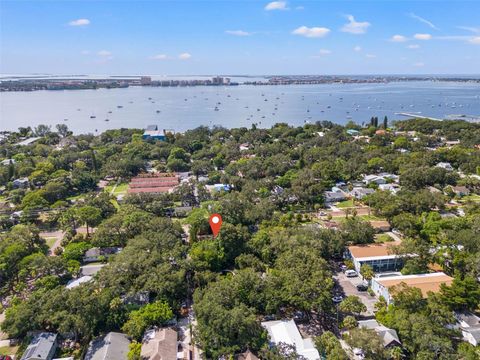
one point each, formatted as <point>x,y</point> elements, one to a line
<point>157,313</point>
<point>367,272</point>
<point>353,305</point>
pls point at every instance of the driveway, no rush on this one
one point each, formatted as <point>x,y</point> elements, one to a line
<point>347,286</point>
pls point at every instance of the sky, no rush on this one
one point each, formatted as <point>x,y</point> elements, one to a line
<point>239,37</point>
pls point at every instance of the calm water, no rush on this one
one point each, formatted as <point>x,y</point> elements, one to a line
<point>185,108</point>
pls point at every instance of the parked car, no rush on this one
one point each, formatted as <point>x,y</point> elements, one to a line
<point>351,273</point>
<point>343,267</point>
<point>337,299</point>
<point>299,316</point>
<point>362,287</point>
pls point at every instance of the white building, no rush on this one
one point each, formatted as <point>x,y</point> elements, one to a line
<point>286,331</point>
<point>378,256</point>
<point>445,165</point>
<point>381,285</point>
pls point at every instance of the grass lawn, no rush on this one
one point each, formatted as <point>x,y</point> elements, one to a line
<point>115,203</point>
<point>120,189</point>
<point>472,197</point>
<point>345,204</point>
<point>76,197</point>
<point>370,217</point>
<point>8,350</point>
<point>50,241</point>
<point>383,238</point>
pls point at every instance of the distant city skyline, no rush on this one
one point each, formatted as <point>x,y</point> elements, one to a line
<point>232,37</point>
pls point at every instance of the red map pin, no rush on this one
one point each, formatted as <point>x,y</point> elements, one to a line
<point>215,223</point>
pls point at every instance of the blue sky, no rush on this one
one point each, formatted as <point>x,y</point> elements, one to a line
<point>240,37</point>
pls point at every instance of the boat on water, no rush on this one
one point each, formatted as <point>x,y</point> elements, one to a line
<point>158,111</point>
<point>93,117</point>
<point>65,119</point>
<point>110,112</point>
<point>107,120</point>
<point>119,106</point>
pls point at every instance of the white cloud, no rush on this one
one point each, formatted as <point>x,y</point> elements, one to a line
<point>104,53</point>
<point>357,48</point>
<point>238,32</point>
<point>85,52</point>
<point>425,21</point>
<point>475,30</point>
<point>159,57</point>
<point>419,64</point>
<point>313,32</point>
<point>79,22</point>
<point>355,27</point>
<point>324,52</point>
<point>184,56</point>
<point>422,36</point>
<point>370,56</point>
<point>413,46</point>
<point>398,38</point>
<point>276,5</point>
<point>475,40</point>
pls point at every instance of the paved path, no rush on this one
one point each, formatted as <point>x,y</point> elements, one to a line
<point>348,287</point>
<point>58,235</point>
<point>394,236</point>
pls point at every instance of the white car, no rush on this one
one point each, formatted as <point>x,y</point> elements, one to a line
<point>351,273</point>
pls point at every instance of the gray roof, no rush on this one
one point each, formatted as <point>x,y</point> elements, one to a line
<point>151,128</point>
<point>388,335</point>
<point>475,332</point>
<point>468,317</point>
<point>42,347</point>
<point>113,346</point>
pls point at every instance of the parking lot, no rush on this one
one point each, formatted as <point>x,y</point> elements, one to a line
<point>347,286</point>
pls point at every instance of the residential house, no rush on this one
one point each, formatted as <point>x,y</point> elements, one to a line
<point>286,331</point>
<point>153,183</point>
<point>76,282</point>
<point>160,344</point>
<point>445,165</point>
<point>218,187</point>
<point>21,183</point>
<point>393,188</point>
<point>112,346</point>
<point>99,254</point>
<point>370,179</point>
<point>139,298</point>
<point>460,190</point>
<point>42,347</point>
<point>388,336</point>
<point>469,324</point>
<point>244,147</point>
<point>152,132</point>
<point>381,285</point>
<point>353,132</point>
<point>247,355</point>
<point>380,225</point>
<point>27,141</point>
<point>378,256</point>
<point>333,196</point>
<point>390,177</point>
<point>360,192</point>
<point>7,162</point>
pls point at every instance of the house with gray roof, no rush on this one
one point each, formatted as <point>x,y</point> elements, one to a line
<point>112,346</point>
<point>42,347</point>
<point>469,324</point>
<point>388,336</point>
